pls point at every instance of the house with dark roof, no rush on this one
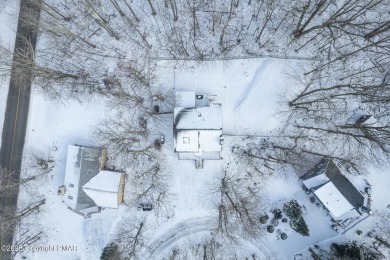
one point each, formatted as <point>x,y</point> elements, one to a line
<point>337,194</point>
<point>87,186</point>
<point>197,127</point>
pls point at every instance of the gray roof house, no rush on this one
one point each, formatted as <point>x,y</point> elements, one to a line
<point>335,192</point>
<point>87,186</point>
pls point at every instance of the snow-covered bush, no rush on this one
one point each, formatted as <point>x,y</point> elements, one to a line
<point>300,226</point>
<point>110,252</point>
<point>292,209</point>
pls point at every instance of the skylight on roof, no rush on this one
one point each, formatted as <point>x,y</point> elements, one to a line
<point>186,140</point>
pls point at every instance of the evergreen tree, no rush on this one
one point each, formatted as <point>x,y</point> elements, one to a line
<point>110,252</point>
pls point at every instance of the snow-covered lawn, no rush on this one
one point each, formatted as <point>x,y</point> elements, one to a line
<point>379,179</point>
<point>280,191</point>
<point>250,91</point>
<point>52,127</point>
<point>244,87</point>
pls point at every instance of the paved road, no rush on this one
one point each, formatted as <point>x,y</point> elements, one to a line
<point>15,122</point>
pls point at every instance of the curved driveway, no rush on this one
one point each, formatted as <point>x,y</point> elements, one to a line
<point>193,226</point>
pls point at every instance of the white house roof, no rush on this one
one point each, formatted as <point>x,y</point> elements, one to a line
<point>103,189</point>
<point>198,141</point>
<point>209,140</point>
<point>72,176</point>
<point>185,99</point>
<point>333,200</point>
<point>316,181</point>
<point>187,141</point>
<point>105,180</point>
<point>103,199</point>
<point>201,118</point>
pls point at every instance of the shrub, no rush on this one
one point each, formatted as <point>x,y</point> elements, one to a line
<point>157,144</point>
<point>270,229</point>
<point>354,251</point>
<point>284,220</point>
<point>350,250</point>
<point>292,209</point>
<point>283,236</point>
<point>263,219</point>
<point>110,252</point>
<point>300,226</point>
<point>277,213</point>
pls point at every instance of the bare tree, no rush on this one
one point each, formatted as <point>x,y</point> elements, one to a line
<point>130,236</point>
<point>237,196</point>
<point>12,214</point>
<point>152,8</point>
<point>38,163</point>
<point>173,5</point>
<point>131,10</point>
<point>263,157</point>
<point>342,14</point>
<point>125,134</point>
<point>150,184</point>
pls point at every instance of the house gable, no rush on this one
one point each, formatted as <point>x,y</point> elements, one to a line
<point>326,171</point>
<point>103,189</point>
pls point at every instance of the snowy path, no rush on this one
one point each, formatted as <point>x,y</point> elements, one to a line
<point>266,248</point>
<point>179,231</point>
<point>193,226</point>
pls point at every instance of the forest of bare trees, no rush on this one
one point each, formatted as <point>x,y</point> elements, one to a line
<point>348,42</point>
<point>27,211</point>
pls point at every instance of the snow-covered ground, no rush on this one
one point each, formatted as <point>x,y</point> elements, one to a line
<point>52,127</point>
<point>379,179</point>
<point>8,25</point>
<point>9,20</point>
<point>250,92</point>
<point>244,87</point>
<point>282,190</point>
